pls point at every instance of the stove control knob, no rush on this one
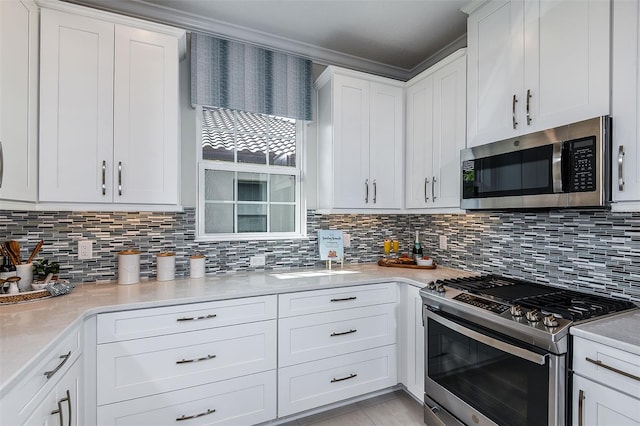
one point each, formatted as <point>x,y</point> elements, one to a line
<point>516,311</point>
<point>533,315</point>
<point>550,321</point>
<point>440,288</point>
<point>431,285</point>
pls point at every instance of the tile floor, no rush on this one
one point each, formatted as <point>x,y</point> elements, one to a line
<point>392,409</point>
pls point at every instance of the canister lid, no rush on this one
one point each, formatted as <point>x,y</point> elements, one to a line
<point>166,254</point>
<point>197,256</point>
<point>129,251</point>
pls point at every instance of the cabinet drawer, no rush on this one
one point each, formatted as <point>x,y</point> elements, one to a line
<point>609,357</point>
<point>242,401</point>
<point>142,323</point>
<point>46,373</point>
<point>310,302</point>
<point>602,406</point>
<point>309,385</point>
<point>142,367</point>
<point>310,337</point>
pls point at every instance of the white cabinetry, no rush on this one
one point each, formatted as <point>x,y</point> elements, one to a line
<point>436,128</point>
<point>330,354</point>
<point>535,65</point>
<point>411,344</point>
<point>360,141</point>
<point>223,352</point>
<point>604,391</point>
<point>109,111</point>
<point>18,100</point>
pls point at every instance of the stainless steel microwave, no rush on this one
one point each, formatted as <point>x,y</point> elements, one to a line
<point>568,166</point>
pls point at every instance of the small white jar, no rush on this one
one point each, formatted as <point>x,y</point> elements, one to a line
<point>166,264</point>
<point>197,266</point>
<point>128,267</point>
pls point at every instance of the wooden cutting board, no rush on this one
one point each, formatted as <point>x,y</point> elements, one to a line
<point>395,264</point>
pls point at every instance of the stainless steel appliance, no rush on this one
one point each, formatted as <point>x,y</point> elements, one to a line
<point>497,349</point>
<point>568,166</point>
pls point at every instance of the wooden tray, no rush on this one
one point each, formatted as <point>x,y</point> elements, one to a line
<point>395,264</point>
<point>27,296</point>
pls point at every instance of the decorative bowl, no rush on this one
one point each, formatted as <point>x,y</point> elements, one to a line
<point>424,262</point>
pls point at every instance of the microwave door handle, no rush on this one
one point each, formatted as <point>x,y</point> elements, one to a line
<point>489,341</point>
<point>559,163</point>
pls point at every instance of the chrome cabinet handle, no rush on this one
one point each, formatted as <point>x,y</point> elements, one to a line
<point>342,333</point>
<point>528,109</point>
<point>513,111</point>
<point>580,407</point>
<point>610,368</point>
<point>426,182</point>
<point>195,416</point>
<point>59,410</point>
<point>120,178</point>
<point>366,191</point>
<point>187,361</point>
<point>104,178</point>
<point>433,190</point>
<point>1,164</point>
<point>350,376</point>
<point>620,168</point>
<point>64,358</point>
<point>375,191</point>
<point>344,299</point>
<point>210,316</point>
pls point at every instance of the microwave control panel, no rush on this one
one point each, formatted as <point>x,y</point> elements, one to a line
<point>583,164</point>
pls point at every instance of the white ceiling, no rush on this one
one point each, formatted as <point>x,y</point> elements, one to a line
<point>397,38</point>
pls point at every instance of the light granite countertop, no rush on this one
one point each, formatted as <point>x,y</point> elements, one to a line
<point>619,331</point>
<point>28,330</point>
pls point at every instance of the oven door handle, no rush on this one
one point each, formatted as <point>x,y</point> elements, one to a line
<point>490,341</point>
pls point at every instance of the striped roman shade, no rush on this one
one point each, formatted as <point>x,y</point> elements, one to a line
<point>238,76</point>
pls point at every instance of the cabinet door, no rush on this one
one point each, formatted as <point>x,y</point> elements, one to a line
<point>76,108</point>
<point>567,62</point>
<point>412,351</point>
<point>449,124</point>
<point>598,405</point>
<point>351,187</point>
<point>496,62</point>
<point>386,146</point>
<point>145,117</point>
<point>18,100</point>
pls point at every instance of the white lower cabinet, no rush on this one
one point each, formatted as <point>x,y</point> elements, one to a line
<point>598,405</point>
<point>241,401</point>
<point>411,342</point>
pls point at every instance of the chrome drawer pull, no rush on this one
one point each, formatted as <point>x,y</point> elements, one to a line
<point>513,113</point>
<point>426,181</point>
<point>433,189</point>
<point>59,410</point>
<point>615,370</point>
<point>343,333</point>
<point>375,191</point>
<point>195,416</point>
<point>64,358</point>
<point>366,193</point>
<point>104,177</point>
<point>197,318</point>
<point>620,168</point>
<point>204,358</point>
<point>120,178</point>
<point>344,299</point>
<point>350,376</point>
<point>528,105</point>
<point>580,407</point>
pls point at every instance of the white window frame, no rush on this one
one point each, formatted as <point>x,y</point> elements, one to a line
<point>297,171</point>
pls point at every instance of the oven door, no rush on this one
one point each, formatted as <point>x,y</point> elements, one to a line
<point>484,378</point>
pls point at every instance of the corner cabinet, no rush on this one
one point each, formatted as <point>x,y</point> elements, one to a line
<point>534,65</point>
<point>108,110</point>
<point>18,100</point>
<point>435,134</point>
<point>360,141</point>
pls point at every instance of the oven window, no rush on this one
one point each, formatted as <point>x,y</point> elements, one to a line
<point>507,389</point>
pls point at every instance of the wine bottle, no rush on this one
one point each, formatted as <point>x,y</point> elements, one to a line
<point>417,248</point>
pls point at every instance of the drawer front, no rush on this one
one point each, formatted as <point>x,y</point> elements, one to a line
<point>317,336</point>
<point>609,357</point>
<point>143,367</point>
<point>242,401</point>
<point>310,302</point>
<point>46,373</point>
<point>141,323</point>
<point>305,386</point>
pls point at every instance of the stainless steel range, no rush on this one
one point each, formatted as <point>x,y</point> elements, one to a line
<point>497,349</point>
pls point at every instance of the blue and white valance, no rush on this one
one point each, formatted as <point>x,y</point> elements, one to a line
<point>238,76</point>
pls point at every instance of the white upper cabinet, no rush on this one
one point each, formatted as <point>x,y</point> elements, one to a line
<point>534,65</point>
<point>360,141</point>
<point>109,111</point>
<point>436,125</point>
<point>18,100</point>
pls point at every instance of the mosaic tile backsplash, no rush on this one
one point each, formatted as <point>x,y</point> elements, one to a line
<point>596,251</point>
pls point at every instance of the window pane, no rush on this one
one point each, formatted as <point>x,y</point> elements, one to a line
<point>252,149</point>
<point>282,141</point>
<point>218,218</point>
<point>252,187</point>
<point>218,186</point>
<point>283,188</point>
<point>282,218</point>
<point>252,218</point>
<point>248,122</point>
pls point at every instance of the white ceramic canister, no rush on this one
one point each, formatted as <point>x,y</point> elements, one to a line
<point>128,267</point>
<point>196,266</point>
<point>166,264</point>
<point>25,272</point>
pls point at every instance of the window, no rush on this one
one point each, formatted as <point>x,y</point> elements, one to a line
<point>250,176</point>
